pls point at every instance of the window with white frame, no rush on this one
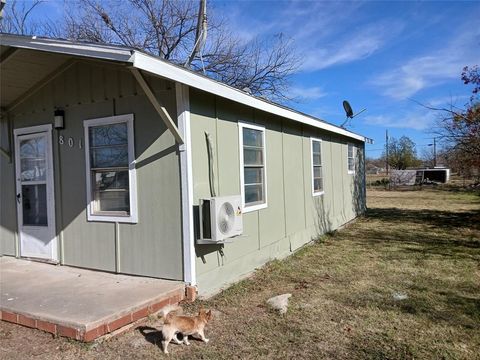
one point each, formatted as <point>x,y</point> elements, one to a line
<point>252,166</point>
<point>351,158</point>
<point>110,161</point>
<point>317,169</point>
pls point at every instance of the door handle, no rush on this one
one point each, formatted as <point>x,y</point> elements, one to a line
<point>18,197</point>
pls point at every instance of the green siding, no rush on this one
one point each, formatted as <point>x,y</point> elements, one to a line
<point>153,247</point>
<point>8,219</point>
<point>293,217</point>
<point>275,212</point>
<point>292,177</point>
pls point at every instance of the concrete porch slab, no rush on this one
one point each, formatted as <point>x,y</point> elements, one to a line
<point>77,303</point>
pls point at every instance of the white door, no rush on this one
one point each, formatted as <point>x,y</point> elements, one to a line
<point>35,196</point>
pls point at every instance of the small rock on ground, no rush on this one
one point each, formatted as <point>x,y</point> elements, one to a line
<point>279,303</point>
<point>399,296</point>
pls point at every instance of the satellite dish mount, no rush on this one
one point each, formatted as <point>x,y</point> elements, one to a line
<point>349,113</point>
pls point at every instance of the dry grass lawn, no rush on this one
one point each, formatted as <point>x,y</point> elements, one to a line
<point>421,244</point>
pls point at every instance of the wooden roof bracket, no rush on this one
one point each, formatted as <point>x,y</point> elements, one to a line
<point>161,110</point>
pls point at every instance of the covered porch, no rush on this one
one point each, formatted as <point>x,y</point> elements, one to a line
<point>77,303</point>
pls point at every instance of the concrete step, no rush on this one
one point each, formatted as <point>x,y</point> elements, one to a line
<point>77,303</point>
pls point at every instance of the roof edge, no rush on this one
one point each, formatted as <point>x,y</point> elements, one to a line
<point>176,73</point>
<point>58,46</point>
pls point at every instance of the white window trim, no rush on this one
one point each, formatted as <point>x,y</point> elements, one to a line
<point>354,153</point>
<point>241,126</point>
<point>316,193</point>
<point>132,176</point>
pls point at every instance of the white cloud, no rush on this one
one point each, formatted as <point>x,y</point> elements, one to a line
<point>447,101</point>
<point>417,120</point>
<point>307,93</point>
<point>433,69</point>
<point>325,33</point>
<point>348,48</point>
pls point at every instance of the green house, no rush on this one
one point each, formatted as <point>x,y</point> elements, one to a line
<point>107,153</point>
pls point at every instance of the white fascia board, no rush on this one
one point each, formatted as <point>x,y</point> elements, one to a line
<point>162,68</point>
<point>65,47</point>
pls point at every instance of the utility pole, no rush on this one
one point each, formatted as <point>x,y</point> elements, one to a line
<point>201,34</point>
<point>434,151</point>
<point>386,150</point>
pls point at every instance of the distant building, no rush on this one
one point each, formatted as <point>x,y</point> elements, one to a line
<point>420,176</point>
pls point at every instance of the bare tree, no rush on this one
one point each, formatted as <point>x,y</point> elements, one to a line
<point>167,28</point>
<point>458,128</point>
<point>428,157</point>
<point>16,17</point>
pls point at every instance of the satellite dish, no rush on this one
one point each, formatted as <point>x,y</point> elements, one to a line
<point>349,112</point>
<point>348,109</point>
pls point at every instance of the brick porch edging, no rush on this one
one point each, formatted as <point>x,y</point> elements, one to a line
<point>80,333</point>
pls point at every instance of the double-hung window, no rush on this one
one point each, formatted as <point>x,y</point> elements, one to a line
<point>317,168</point>
<point>110,163</point>
<point>252,166</point>
<point>351,158</point>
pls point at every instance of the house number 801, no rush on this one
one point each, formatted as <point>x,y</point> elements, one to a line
<point>70,141</point>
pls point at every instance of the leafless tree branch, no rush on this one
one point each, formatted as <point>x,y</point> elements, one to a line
<point>17,17</point>
<point>167,28</point>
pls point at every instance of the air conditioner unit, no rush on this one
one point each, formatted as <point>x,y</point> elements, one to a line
<point>220,219</point>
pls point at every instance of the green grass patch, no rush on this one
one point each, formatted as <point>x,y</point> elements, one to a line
<point>423,245</point>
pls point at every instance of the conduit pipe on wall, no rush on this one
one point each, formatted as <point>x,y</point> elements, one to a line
<point>211,169</point>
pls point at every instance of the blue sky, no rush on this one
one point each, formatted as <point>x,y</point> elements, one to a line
<point>377,55</point>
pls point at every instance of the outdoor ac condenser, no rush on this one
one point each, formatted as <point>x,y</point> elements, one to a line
<point>220,219</point>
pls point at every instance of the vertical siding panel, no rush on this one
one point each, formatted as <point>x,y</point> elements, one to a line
<point>308,133</point>
<point>48,104</point>
<point>275,212</point>
<point>293,168</point>
<point>70,86</point>
<point>228,169</point>
<point>202,113</point>
<point>97,90</point>
<point>128,85</point>
<point>111,83</point>
<point>347,181</point>
<point>59,91</point>
<point>37,103</point>
<point>84,83</point>
<point>328,197</point>
<point>337,180</point>
<point>8,220</point>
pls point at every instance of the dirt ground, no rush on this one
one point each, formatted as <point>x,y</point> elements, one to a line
<point>400,283</point>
